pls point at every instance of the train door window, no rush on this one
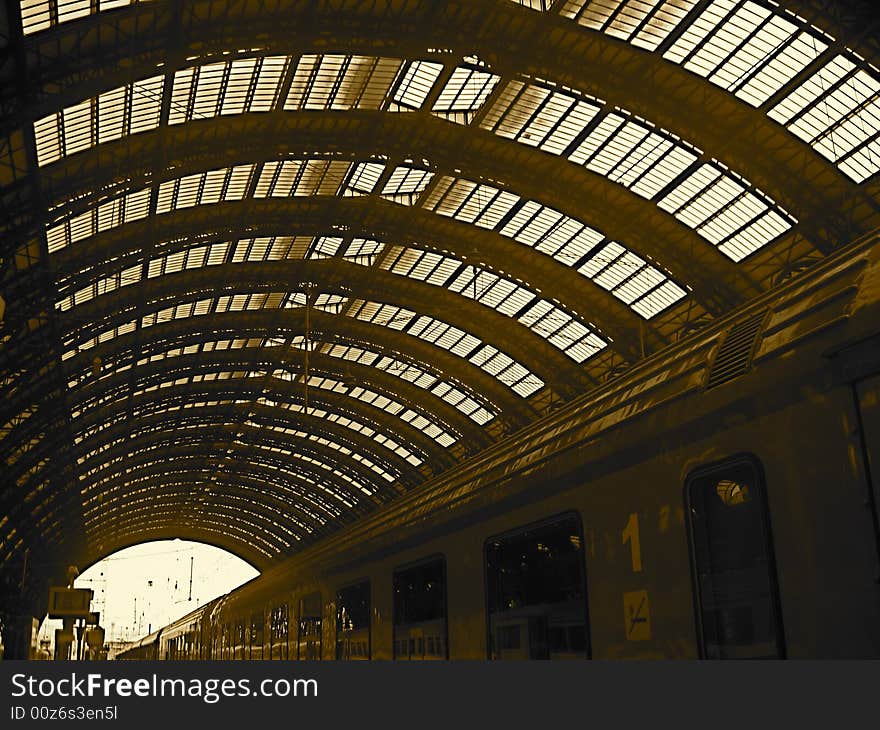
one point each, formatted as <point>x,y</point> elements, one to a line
<point>256,636</point>
<point>353,622</point>
<point>278,630</point>
<point>420,611</point>
<point>537,605</point>
<point>738,615</point>
<point>309,643</point>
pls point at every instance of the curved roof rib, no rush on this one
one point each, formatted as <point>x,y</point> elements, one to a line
<point>267,268</point>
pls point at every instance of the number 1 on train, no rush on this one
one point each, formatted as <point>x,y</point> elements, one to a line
<point>631,536</point>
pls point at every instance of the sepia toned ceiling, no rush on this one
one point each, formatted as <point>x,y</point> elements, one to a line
<point>266,266</point>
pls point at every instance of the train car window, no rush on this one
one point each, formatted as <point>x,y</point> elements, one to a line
<point>537,607</point>
<point>420,611</point>
<point>309,634</point>
<point>353,622</point>
<point>256,635</point>
<point>278,632</point>
<point>738,614</point>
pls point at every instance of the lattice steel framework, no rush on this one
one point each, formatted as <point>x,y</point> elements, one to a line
<point>268,265</point>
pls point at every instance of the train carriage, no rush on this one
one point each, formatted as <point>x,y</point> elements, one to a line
<point>719,500</point>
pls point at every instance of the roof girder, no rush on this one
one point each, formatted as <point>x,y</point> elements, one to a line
<point>333,276</point>
<point>515,40</point>
<point>127,165</point>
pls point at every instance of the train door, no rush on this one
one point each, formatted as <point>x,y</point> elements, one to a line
<point>353,622</point>
<point>867,393</point>
<point>278,632</point>
<point>310,629</point>
<point>420,630</point>
<point>536,592</point>
<point>736,594</point>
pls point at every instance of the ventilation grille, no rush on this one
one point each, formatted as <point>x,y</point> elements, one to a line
<point>735,355</point>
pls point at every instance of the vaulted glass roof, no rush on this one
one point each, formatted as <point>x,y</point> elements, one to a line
<point>268,267</point>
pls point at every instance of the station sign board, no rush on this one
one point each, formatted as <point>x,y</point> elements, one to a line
<point>69,602</point>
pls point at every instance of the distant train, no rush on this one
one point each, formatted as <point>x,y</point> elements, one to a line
<point>717,500</point>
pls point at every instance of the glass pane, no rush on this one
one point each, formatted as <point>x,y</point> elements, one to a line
<point>537,593</point>
<point>420,612</point>
<point>353,622</point>
<point>735,575</point>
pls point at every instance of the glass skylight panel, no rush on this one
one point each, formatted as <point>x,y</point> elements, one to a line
<point>365,176</point>
<point>363,250</point>
<point>539,5</point>
<point>325,247</point>
<point>632,280</point>
<point>745,48</point>
<point>470,202</point>
<point>416,84</point>
<point>37,15</point>
<point>466,90</point>
<point>539,116</point>
<point>644,23</point>
<point>271,248</point>
<point>566,239</point>
<point>341,82</point>
<point>551,232</point>
<point>229,87</point>
<point>562,330</point>
<point>502,294</point>
<point>103,337</point>
<point>105,285</point>
<point>204,188</point>
<point>837,112</point>
<point>724,211</point>
<point>507,370</point>
<point>443,335</point>
<point>406,183</point>
<point>109,116</point>
<point>392,407</point>
<point>352,425</point>
<point>193,258</point>
<point>294,178</point>
<point>633,154</point>
<point>110,214</point>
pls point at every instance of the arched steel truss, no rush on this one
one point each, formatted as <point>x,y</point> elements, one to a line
<point>159,383</point>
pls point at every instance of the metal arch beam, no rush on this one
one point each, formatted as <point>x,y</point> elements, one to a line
<point>221,422</point>
<point>338,277</point>
<point>332,328</point>
<point>134,501</point>
<point>152,516</point>
<point>369,218</point>
<point>259,324</point>
<point>141,530</point>
<point>277,500</point>
<point>258,474</point>
<point>260,564</point>
<point>279,525</point>
<point>215,459</point>
<point>127,165</point>
<point>211,465</point>
<point>515,40</point>
<point>288,494</point>
<point>293,392</point>
<point>385,384</point>
<point>387,425</point>
<point>142,445</point>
